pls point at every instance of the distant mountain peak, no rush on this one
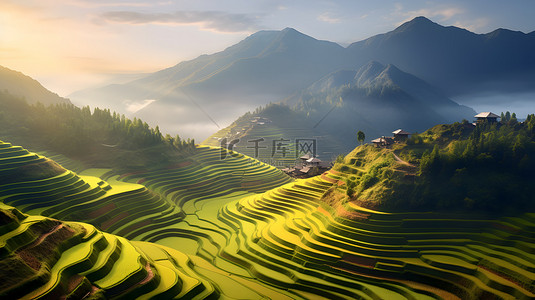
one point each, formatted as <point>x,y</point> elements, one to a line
<point>290,29</point>
<point>368,72</point>
<point>418,23</point>
<point>421,20</point>
<point>289,33</point>
<point>502,32</point>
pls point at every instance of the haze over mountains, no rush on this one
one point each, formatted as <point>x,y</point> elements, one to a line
<point>376,99</point>
<point>198,97</point>
<point>20,85</point>
<point>379,98</point>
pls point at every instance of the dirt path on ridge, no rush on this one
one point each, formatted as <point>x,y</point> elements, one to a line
<point>402,161</point>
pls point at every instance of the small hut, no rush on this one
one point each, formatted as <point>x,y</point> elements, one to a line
<point>400,135</point>
<point>383,142</point>
<point>305,157</point>
<point>313,162</point>
<point>486,117</point>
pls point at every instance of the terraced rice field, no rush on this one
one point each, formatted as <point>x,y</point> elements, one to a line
<point>327,148</point>
<point>244,231</point>
<point>114,206</point>
<point>45,258</point>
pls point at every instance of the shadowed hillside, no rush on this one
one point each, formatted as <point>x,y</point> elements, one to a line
<point>454,59</point>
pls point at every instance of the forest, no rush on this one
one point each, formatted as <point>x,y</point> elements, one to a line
<point>475,168</point>
<point>71,130</point>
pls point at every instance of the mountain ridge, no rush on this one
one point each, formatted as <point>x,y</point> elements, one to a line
<point>269,66</point>
<point>375,99</point>
<point>21,85</point>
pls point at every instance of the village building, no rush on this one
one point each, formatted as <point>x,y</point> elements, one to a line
<point>309,166</point>
<point>313,162</point>
<point>383,141</point>
<point>400,135</point>
<point>305,157</point>
<point>486,117</point>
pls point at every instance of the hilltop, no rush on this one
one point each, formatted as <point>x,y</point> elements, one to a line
<point>376,98</point>
<point>455,167</point>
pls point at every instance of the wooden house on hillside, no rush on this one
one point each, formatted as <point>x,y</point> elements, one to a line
<point>383,141</point>
<point>305,157</point>
<point>486,117</point>
<point>310,166</point>
<point>313,162</point>
<point>400,135</point>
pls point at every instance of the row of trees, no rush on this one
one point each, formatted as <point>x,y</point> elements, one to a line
<point>72,129</point>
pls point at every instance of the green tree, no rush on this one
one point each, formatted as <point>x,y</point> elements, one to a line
<point>361,136</point>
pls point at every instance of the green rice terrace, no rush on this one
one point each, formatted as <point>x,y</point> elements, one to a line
<point>277,135</point>
<point>220,224</point>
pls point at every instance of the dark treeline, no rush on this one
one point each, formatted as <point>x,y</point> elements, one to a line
<point>69,129</point>
<point>490,169</point>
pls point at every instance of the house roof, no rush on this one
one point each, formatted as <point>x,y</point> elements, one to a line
<point>314,160</point>
<point>486,115</point>
<point>401,131</point>
<point>306,156</point>
<point>387,140</point>
<point>305,169</point>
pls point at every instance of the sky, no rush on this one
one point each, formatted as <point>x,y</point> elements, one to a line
<point>69,45</point>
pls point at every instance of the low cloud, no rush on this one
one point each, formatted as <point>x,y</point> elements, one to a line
<point>209,20</point>
<point>134,107</point>
<point>475,25</point>
<point>441,13</point>
<point>329,18</point>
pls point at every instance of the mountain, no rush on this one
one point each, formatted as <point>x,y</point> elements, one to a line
<point>376,99</point>
<point>265,67</point>
<point>276,134</point>
<point>454,59</point>
<point>201,95</point>
<point>20,85</point>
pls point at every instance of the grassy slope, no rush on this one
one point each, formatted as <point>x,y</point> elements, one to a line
<point>447,168</point>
